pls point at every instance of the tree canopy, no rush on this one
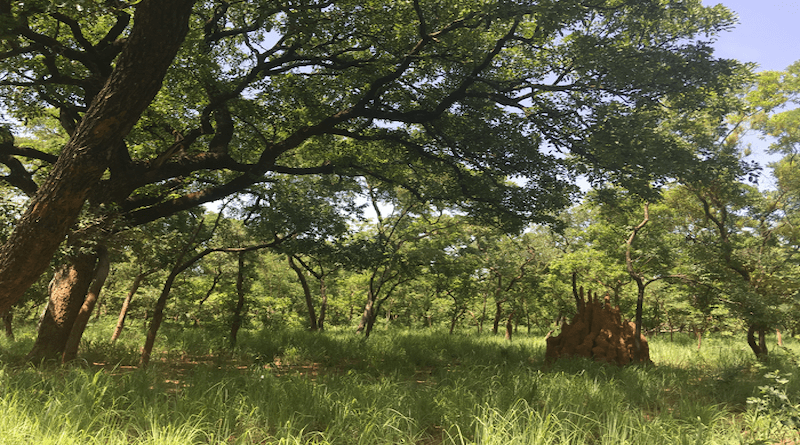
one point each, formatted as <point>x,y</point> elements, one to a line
<point>492,106</point>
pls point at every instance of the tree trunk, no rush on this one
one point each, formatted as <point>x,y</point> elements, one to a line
<point>323,306</point>
<point>67,290</point>
<point>82,319</point>
<point>637,277</point>
<point>759,348</point>
<point>483,314</point>
<point>158,31</point>
<point>126,304</point>
<point>370,323</point>
<point>453,321</point>
<point>498,313</point>
<point>8,318</point>
<point>510,326</point>
<point>155,321</point>
<point>367,315</point>
<point>236,322</point>
<point>312,315</point>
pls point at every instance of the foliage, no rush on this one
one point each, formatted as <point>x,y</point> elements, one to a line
<point>452,102</point>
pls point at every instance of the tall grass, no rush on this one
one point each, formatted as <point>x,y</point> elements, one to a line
<point>399,387</point>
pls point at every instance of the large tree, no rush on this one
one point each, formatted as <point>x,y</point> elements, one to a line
<point>446,98</point>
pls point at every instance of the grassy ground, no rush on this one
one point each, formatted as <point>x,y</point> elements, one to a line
<point>404,387</point>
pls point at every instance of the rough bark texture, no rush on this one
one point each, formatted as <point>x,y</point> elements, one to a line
<point>67,291</point>
<point>8,318</point>
<point>597,331</point>
<point>82,319</point>
<point>158,32</point>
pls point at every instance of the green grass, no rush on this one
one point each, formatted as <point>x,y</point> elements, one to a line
<point>399,387</point>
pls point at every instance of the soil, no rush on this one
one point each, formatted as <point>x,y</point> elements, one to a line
<point>597,331</point>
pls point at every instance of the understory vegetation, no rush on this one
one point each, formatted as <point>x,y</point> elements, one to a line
<point>401,386</point>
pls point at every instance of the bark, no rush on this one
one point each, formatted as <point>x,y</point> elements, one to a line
<point>123,312</point>
<point>483,314</point>
<point>498,313</point>
<point>158,31</point>
<point>370,322</point>
<point>366,316</point>
<point>323,306</point>
<point>373,305</point>
<point>158,310</point>
<point>8,318</point>
<point>759,348</point>
<point>155,321</point>
<point>236,322</point>
<point>312,315</point>
<point>640,284</point>
<point>510,326</point>
<point>68,290</point>
<point>82,319</point>
<point>180,266</point>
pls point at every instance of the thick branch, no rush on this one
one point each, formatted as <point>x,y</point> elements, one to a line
<point>158,32</point>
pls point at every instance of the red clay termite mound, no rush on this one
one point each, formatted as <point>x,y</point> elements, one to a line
<point>597,331</point>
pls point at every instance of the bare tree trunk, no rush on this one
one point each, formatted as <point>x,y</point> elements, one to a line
<point>8,318</point>
<point>760,348</point>
<point>640,284</point>
<point>510,325</point>
<point>126,304</point>
<point>67,292</point>
<point>498,313</point>
<point>323,306</point>
<point>483,314</point>
<point>155,321</point>
<point>158,310</point>
<point>236,322</point>
<point>312,315</point>
<point>82,319</point>
<point>367,315</point>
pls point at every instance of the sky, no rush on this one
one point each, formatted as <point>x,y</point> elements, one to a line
<point>768,34</point>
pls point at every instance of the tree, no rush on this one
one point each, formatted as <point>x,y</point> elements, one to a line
<point>182,262</point>
<point>455,99</point>
<point>390,254</point>
<point>112,101</point>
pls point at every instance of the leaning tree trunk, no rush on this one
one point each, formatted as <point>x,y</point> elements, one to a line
<point>155,321</point>
<point>123,312</point>
<point>67,292</point>
<point>82,319</point>
<point>158,31</point>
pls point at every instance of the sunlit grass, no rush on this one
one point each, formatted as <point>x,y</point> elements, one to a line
<point>414,387</point>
